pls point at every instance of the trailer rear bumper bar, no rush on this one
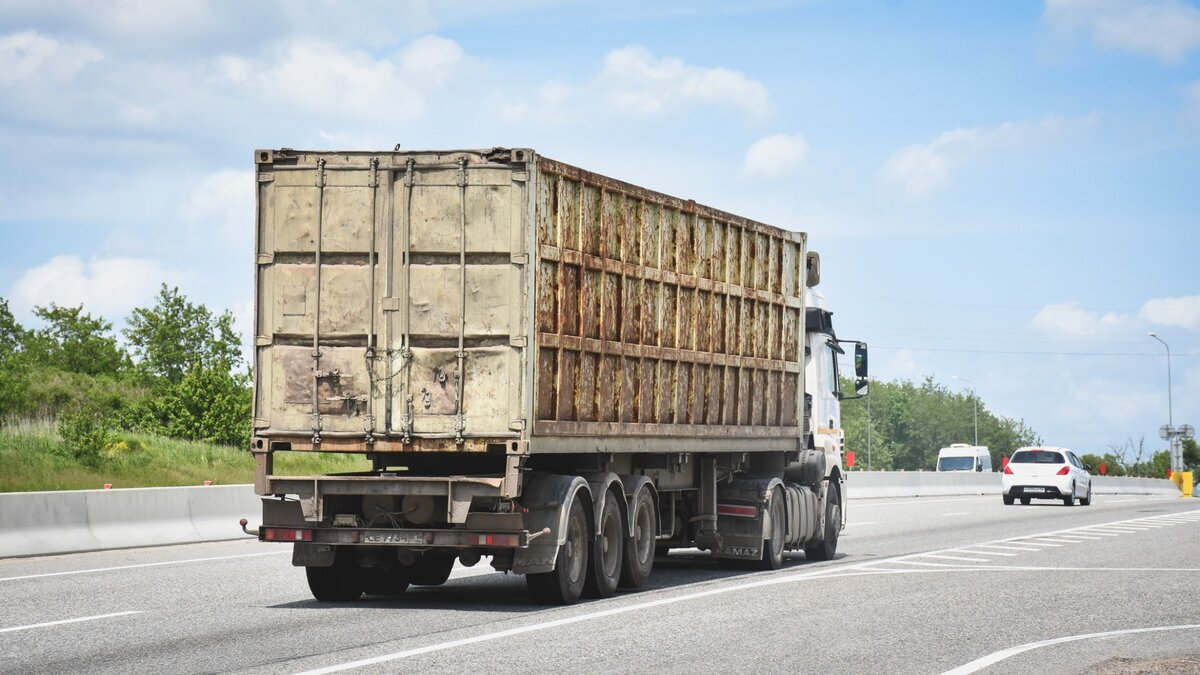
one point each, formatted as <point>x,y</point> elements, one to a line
<point>417,538</point>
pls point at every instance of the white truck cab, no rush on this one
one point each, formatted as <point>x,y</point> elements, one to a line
<point>963,457</point>
<point>821,378</point>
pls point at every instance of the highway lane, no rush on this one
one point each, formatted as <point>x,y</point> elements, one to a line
<point>920,585</point>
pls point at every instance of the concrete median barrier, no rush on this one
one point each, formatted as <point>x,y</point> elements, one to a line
<point>43,523</point>
<point>877,484</point>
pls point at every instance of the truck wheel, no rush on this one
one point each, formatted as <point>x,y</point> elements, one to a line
<point>1008,500</point>
<point>432,569</point>
<point>604,565</point>
<point>827,547</point>
<point>564,584</point>
<point>339,582</point>
<point>640,548</point>
<point>380,581</point>
<point>772,558</point>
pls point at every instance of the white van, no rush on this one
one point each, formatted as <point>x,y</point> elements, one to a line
<point>963,457</point>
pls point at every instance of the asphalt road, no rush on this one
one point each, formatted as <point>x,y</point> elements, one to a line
<point>924,585</point>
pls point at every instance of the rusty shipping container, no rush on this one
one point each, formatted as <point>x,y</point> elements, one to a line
<point>500,301</point>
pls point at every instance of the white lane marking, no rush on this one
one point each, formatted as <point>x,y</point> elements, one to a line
<point>65,621</point>
<point>1076,535</point>
<point>929,564</point>
<point>870,522</point>
<point>973,551</point>
<point>1111,529</point>
<point>153,564</point>
<point>1120,501</point>
<point>1036,543</point>
<point>1060,539</point>
<point>578,618</point>
<point>922,501</point>
<point>955,557</point>
<point>1007,548</point>
<point>996,657</point>
<point>958,513</point>
<point>771,581</point>
<point>1098,533</point>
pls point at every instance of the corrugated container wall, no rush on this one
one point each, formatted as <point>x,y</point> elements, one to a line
<point>466,300</point>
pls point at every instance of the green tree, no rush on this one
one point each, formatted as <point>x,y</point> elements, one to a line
<point>74,341</point>
<point>206,404</point>
<point>13,368</point>
<point>1191,453</point>
<point>174,335</point>
<point>911,422</point>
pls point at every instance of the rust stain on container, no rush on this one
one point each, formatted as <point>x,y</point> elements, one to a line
<point>651,315</point>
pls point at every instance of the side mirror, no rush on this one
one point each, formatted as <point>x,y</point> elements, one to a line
<point>813,269</point>
<point>860,360</point>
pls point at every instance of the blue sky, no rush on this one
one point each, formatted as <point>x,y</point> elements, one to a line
<point>1004,191</point>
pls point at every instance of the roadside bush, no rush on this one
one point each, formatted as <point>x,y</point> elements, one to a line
<point>85,434</point>
<point>207,404</point>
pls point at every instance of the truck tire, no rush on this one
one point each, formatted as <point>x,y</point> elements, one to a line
<point>340,582</point>
<point>380,581</point>
<point>432,569</point>
<point>640,547</point>
<point>607,555</point>
<point>564,584</point>
<point>827,546</point>
<point>772,558</point>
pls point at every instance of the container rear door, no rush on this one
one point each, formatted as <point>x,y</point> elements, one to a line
<point>458,321</point>
<point>391,294</point>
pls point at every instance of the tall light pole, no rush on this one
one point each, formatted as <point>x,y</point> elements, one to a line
<point>975,400</point>
<point>868,428</point>
<point>1170,433</point>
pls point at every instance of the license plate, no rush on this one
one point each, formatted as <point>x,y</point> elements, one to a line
<point>1035,489</point>
<point>394,538</point>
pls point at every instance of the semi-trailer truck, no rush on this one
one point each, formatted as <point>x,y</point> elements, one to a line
<point>560,371</point>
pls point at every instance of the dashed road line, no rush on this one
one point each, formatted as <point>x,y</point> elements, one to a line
<point>972,551</point>
<point>955,557</point>
<point>47,624</point>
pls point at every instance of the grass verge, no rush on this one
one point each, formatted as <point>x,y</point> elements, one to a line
<point>34,459</point>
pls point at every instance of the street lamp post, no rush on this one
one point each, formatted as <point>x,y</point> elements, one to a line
<point>975,400</point>
<point>1170,433</point>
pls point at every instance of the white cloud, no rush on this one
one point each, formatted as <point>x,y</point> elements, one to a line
<point>343,85</point>
<point>1165,29</point>
<point>919,171</point>
<point>104,286</point>
<point>633,82</point>
<point>1183,312</point>
<point>29,56</point>
<point>1068,319</point>
<point>776,155</point>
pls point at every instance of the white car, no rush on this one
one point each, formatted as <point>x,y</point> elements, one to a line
<point>1045,473</point>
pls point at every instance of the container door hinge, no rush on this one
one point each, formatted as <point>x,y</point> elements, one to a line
<point>519,259</point>
<point>517,425</point>
<point>518,341</point>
